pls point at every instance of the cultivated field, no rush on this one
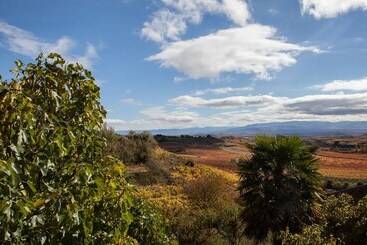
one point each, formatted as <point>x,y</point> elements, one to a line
<point>333,163</point>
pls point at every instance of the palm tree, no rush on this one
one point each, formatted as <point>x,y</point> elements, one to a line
<point>279,186</point>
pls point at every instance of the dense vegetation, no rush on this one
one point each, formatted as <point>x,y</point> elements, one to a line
<point>65,178</point>
<point>56,183</point>
<point>342,221</point>
<point>134,148</point>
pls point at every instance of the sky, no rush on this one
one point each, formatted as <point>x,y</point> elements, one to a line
<point>203,63</point>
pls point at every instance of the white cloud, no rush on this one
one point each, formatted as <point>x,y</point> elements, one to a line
<point>131,101</point>
<point>157,117</point>
<point>161,115</point>
<point>25,43</point>
<point>252,49</point>
<point>331,8</point>
<point>224,90</point>
<point>330,104</point>
<point>316,105</point>
<point>164,25</point>
<point>244,110</point>
<point>237,11</point>
<point>226,102</point>
<point>115,123</point>
<point>344,85</point>
<point>170,22</point>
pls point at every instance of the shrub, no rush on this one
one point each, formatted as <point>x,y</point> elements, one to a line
<point>134,148</point>
<point>212,216</point>
<point>149,226</point>
<point>311,235</point>
<point>343,221</point>
<point>208,191</point>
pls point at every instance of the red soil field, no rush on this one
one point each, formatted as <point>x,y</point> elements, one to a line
<point>332,164</point>
<point>343,165</point>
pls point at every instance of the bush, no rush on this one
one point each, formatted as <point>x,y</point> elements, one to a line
<point>311,235</point>
<point>134,148</point>
<point>149,226</point>
<point>208,191</point>
<point>343,221</point>
<point>212,216</point>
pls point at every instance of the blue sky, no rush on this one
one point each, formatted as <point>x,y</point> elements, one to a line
<point>195,63</point>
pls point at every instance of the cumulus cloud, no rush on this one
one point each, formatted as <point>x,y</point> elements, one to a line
<point>224,90</point>
<point>344,85</point>
<point>252,49</point>
<point>25,43</point>
<point>331,8</point>
<point>170,22</point>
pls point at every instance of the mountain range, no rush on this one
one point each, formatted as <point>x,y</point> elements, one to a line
<point>301,128</point>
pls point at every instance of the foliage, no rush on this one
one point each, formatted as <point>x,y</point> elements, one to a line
<point>212,215</point>
<point>343,221</point>
<point>149,226</point>
<point>311,235</point>
<point>279,186</point>
<point>204,192</point>
<point>56,183</point>
<point>134,148</point>
<point>229,224</point>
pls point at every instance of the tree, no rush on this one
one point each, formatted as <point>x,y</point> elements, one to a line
<point>279,186</point>
<point>342,221</point>
<point>56,183</point>
<point>149,226</point>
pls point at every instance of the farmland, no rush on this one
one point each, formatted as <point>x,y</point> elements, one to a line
<point>334,162</point>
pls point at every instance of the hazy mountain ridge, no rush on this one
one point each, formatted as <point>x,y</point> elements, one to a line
<point>301,128</point>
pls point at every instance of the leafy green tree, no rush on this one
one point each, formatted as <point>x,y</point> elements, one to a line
<point>149,226</point>
<point>342,221</point>
<point>279,186</point>
<point>56,183</point>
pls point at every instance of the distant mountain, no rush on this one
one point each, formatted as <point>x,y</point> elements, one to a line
<point>301,128</point>
<point>183,131</point>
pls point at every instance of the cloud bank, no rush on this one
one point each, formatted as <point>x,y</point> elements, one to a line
<point>243,110</point>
